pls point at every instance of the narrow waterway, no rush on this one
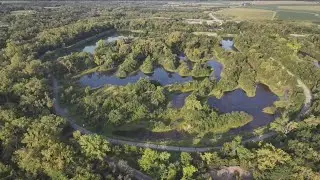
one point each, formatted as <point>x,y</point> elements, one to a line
<point>237,100</point>
<point>99,79</point>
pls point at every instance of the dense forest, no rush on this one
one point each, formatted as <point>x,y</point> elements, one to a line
<point>41,64</point>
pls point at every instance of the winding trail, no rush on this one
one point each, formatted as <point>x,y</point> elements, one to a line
<point>213,20</point>
<point>216,19</point>
<point>306,91</point>
<point>64,113</point>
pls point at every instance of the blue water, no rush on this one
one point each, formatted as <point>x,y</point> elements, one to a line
<point>228,44</point>
<point>163,77</point>
<point>237,100</point>
<point>99,79</point>
<point>217,69</point>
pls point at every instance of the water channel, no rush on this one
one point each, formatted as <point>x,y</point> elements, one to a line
<point>236,100</point>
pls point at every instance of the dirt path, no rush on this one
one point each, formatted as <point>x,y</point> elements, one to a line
<point>216,19</point>
<point>299,35</point>
<point>274,15</point>
<point>307,102</point>
<point>306,91</point>
<point>64,113</point>
<point>208,21</point>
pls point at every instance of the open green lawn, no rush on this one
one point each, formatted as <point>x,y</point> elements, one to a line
<point>292,12</point>
<point>246,14</point>
<point>299,16</point>
<point>301,8</point>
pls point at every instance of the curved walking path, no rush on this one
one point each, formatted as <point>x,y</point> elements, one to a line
<point>138,174</point>
<point>216,19</point>
<point>64,113</point>
<point>306,91</point>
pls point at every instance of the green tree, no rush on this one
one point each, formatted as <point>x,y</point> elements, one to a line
<point>283,125</point>
<point>188,171</point>
<point>93,146</point>
<point>268,157</point>
<point>148,159</point>
<point>147,66</point>
<point>43,152</point>
<point>185,158</point>
<point>183,69</point>
<point>192,103</point>
<point>211,159</point>
<point>157,164</point>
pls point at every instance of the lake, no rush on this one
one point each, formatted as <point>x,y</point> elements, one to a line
<point>98,79</point>
<point>237,100</point>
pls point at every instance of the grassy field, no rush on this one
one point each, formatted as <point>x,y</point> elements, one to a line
<point>246,14</point>
<point>297,16</point>
<point>306,13</point>
<point>301,8</point>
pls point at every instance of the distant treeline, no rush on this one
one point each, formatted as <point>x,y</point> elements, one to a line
<point>152,0</point>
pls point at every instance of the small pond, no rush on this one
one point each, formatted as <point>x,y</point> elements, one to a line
<point>178,99</point>
<point>163,77</point>
<point>228,44</point>
<point>237,100</point>
<point>99,79</point>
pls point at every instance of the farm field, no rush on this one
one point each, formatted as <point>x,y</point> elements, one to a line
<point>246,14</point>
<point>297,16</point>
<point>293,12</point>
<point>301,8</point>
